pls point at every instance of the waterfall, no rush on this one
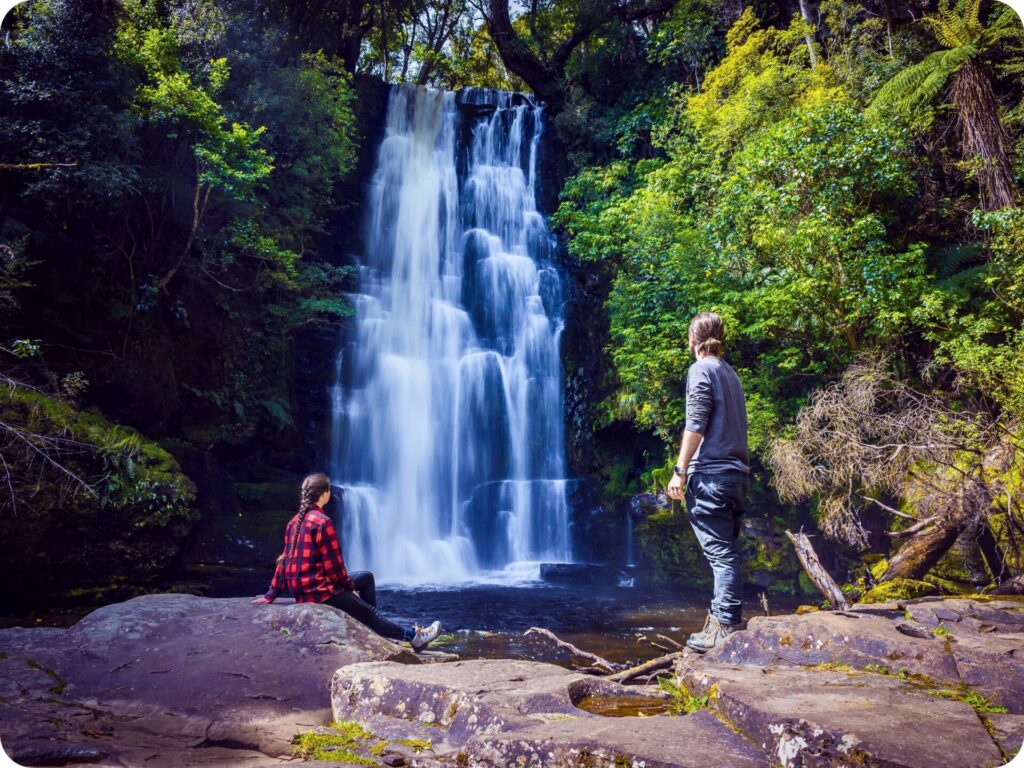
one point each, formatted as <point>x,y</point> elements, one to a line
<point>447,431</point>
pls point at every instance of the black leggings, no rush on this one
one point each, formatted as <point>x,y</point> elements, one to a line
<point>361,605</point>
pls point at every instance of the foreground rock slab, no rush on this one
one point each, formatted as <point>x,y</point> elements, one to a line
<point>810,717</point>
<point>954,641</point>
<point>508,712</point>
<point>932,682</point>
<point>178,680</point>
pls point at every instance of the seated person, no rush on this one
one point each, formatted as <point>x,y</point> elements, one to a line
<point>312,568</point>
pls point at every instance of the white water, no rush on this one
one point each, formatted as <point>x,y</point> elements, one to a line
<point>447,436</point>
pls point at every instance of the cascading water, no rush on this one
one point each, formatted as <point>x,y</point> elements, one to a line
<point>447,411</point>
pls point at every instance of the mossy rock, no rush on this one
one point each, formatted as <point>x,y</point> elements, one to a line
<point>949,586</point>
<point>898,589</point>
<point>121,530</point>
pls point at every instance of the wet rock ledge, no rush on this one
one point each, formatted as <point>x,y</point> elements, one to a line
<point>180,680</point>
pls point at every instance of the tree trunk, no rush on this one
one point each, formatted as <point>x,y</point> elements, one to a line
<point>982,137</point>
<point>805,11</point>
<point>992,553</point>
<point>816,571</point>
<point>915,558</point>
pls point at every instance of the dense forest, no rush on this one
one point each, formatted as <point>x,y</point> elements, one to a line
<point>840,180</point>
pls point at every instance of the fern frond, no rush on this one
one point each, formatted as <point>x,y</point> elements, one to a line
<point>902,88</point>
<point>967,279</point>
<point>1007,19</point>
<point>949,28</point>
<point>972,13</point>
<point>954,260</point>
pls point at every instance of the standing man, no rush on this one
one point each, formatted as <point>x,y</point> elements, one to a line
<point>713,473</point>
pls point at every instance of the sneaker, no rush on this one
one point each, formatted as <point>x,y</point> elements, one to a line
<point>424,636</point>
<point>714,632</point>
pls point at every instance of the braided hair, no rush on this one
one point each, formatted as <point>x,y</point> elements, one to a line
<point>313,487</point>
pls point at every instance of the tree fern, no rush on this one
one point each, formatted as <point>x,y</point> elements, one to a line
<point>915,88</point>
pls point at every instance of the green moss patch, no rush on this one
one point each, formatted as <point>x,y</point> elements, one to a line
<point>347,741</point>
<point>898,589</point>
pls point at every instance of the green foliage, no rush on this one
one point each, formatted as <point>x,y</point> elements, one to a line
<point>964,37</point>
<point>684,702</point>
<point>102,483</point>
<point>974,318</point>
<point>347,741</point>
<point>784,234</point>
<point>981,703</point>
<point>177,169</point>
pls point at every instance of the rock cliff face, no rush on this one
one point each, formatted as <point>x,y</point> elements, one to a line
<point>176,680</point>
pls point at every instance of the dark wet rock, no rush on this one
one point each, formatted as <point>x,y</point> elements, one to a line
<point>177,679</point>
<point>645,504</point>
<point>806,717</point>
<point>510,712</point>
<point>577,573</point>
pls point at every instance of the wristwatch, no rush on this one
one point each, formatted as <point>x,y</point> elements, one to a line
<point>679,471</point>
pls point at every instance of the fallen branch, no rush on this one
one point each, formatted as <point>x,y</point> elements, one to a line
<point>816,571</point>
<point>917,527</point>
<point>662,662</point>
<point>596,661</point>
<point>671,642</point>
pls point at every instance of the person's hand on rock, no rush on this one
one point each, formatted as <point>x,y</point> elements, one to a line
<point>262,599</point>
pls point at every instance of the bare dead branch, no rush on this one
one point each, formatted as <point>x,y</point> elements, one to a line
<point>662,662</point>
<point>596,661</point>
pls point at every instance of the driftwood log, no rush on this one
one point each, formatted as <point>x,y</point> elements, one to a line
<point>596,662</point>
<point>662,662</point>
<point>816,571</point>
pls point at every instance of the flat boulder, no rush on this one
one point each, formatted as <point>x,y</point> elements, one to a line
<point>853,638</point>
<point>693,741</point>
<point>178,679</point>
<point>956,641</point>
<point>496,713</point>
<point>806,717</point>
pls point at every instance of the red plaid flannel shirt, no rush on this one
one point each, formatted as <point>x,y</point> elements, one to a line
<point>315,570</point>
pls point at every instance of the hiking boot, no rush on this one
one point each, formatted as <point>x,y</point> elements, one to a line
<point>714,632</point>
<point>701,632</point>
<point>424,636</point>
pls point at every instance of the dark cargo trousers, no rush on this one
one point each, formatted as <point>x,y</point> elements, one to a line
<point>714,504</point>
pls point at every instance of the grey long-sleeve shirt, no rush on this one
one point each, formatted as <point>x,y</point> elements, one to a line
<point>716,408</point>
